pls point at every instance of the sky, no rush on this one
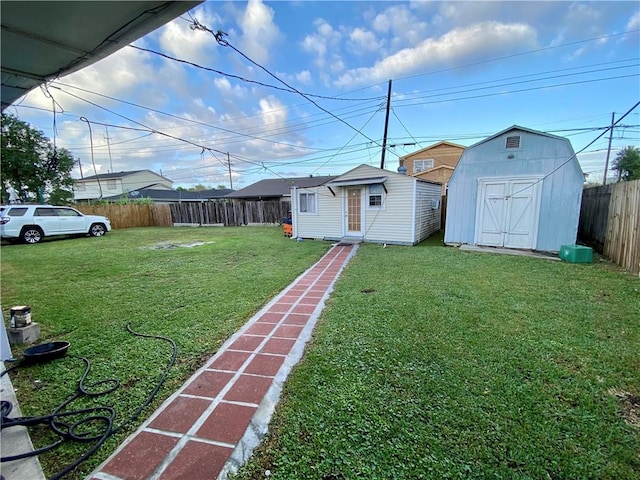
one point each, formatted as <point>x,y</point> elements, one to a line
<point>300,88</point>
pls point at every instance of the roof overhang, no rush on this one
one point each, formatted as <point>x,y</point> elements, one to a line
<point>43,40</point>
<point>356,181</point>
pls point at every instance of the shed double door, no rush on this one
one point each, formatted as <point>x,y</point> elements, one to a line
<point>508,211</point>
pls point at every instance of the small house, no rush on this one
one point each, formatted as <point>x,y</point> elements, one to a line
<point>435,162</point>
<point>368,204</point>
<point>519,188</point>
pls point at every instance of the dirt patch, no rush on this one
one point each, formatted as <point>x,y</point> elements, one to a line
<point>630,406</point>
<point>173,246</point>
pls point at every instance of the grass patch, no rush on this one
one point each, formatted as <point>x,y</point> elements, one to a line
<point>86,290</point>
<point>430,362</point>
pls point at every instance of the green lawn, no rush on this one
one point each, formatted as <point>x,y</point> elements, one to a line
<point>86,290</point>
<point>430,362</point>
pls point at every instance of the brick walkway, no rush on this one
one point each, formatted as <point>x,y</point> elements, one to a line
<point>213,423</point>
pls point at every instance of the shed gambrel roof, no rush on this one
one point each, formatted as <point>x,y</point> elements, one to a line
<point>278,187</point>
<point>522,129</point>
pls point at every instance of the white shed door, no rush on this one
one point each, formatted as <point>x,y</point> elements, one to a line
<point>507,212</point>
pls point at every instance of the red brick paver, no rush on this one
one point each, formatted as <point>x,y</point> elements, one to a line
<point>205,427</point>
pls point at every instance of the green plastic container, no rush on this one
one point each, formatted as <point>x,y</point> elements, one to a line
<point>576,254</point>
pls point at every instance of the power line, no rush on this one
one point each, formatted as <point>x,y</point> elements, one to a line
<point>237,77</point>
<point>221,41</point>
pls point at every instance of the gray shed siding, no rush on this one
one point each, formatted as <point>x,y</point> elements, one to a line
<point>538,155</point>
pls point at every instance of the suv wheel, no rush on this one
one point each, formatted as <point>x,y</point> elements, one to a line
<point>31,235</point>
<point>97,230</point>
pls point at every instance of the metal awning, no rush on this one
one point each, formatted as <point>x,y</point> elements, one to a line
<point>357,181</point>
<point>43,40</point>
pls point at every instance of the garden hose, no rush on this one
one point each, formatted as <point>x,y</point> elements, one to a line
<point>95,415</point>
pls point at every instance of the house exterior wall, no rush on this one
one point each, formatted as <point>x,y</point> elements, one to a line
<point>427,218</point>
<point>538,155</point>
<point>443,154</point>
<point>90,189</point>
<point>438,174</point>
<point>325,223</point>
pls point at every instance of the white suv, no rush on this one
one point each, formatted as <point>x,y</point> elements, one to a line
<point>31,223</point>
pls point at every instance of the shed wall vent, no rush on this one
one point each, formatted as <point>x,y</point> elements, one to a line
<point>513,142</point>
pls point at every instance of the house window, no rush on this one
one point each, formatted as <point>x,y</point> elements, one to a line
<point>375,196</point>
<point>111,184</point>
<point>307,202</point>
<point>422,165</point>
<point>513,142</point>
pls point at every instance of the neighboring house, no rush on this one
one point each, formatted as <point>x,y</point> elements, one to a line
<point>106,185</point>
<point>275,188</point>
<point>160,196</point>
<point>368,204</point>
<point>435,163</point>
<point>519,188</point>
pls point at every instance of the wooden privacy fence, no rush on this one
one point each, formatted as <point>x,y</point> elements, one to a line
<point>129,216</point>
<point>610,222</point>
<point>230,213</point>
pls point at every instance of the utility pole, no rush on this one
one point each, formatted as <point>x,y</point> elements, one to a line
<point>80,165</point>
<point>229,165</point>
<point>109,147</point>
<point>606,162</point>
<point>386,126</point>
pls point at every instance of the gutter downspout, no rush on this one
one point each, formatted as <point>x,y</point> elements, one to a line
<point>294,211</point>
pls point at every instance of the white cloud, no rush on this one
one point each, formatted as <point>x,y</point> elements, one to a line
<point>259,32</point>
<point>179,40</point>
<point>482,40</point>
<point>634,22</point>
<point>325,38</point>
<point>304,77</point>
<point>363,41</point>
<point>404,27</point>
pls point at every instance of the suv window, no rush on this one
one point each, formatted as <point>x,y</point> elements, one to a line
<point>45,212</point>
<point>17,211</point>
<point>67,212</point>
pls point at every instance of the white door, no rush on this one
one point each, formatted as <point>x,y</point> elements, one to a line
<point>508,211</point>
<point>353,212</point>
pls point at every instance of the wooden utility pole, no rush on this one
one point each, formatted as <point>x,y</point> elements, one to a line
<point>229,165</point>
<point>606,162</point>
<point>386,126</point>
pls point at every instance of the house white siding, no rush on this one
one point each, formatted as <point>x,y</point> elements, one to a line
<point>547,160</point>
<point>113,184</point>
<point>428,210</point>
<point>406,216</point>
<point>325,222</point>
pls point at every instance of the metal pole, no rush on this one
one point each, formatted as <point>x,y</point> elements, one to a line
<point>109,147</point>
<point>606,162</point>
<point>229,165</point>
<point>84,119</point>
<point>386,126</point>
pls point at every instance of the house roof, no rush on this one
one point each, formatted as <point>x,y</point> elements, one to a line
<point>522,129</point>
<point>161,195</point>
<point>443,142</point>
<point>43,40</point>
<point>107,176</point>
<point>278,187</point>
